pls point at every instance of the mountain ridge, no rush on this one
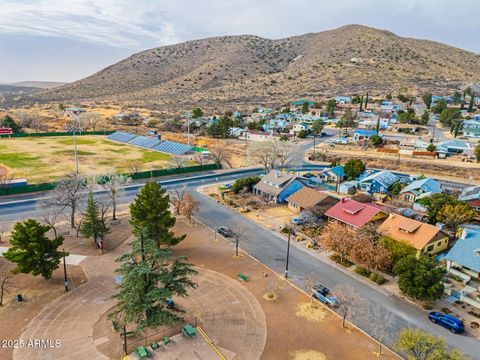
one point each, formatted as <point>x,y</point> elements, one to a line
<point>246,70</point>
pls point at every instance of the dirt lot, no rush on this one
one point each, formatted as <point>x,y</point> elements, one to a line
<point>456,170</point>
<point>14,315</point>
<point>295,330</point>
<point>48,158</point>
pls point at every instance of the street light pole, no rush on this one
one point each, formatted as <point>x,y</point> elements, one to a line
<point>75,143</point>
<point>65,271</point>
<point>290,231</point>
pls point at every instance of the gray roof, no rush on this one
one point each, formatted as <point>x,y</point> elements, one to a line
<point>470,193</point>
<point>274,182</point>
<point>386,178</point>
<point>427,185</point>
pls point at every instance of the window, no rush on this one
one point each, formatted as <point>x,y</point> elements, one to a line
<point>430,248</point>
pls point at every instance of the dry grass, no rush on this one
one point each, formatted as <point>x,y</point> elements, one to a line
<point>311,312</point>
<point>49,158</point>
<point>307,355</point>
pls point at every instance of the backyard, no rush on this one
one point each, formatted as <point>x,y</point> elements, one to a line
<point>44,159</point>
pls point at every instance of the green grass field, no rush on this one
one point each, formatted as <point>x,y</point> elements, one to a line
<point>49,158</point>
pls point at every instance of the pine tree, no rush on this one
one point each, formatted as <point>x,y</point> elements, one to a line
<point>32,250</point>
<point>93,226</point>
<point>361,103</point>
<point>366,101</point>
<point>150,276</point>
<point>472,101</point>
<point>150,211</point>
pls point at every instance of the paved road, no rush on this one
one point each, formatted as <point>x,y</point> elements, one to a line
<point>271,250</point>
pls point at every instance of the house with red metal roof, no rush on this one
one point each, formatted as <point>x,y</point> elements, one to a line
<point>354,213</point>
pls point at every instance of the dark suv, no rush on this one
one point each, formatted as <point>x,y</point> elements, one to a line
<point>225,231</point>
<point>448,321</point>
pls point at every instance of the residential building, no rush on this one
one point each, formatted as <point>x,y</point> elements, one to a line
<point>302,126</point>
<point>471,124</point>
<point>420,188</point>
<point>471,133</point>
<point>258,135</point>
<point>354,213</point>
<point>471,195</point>
<point>426,239</point>
<point>409,128</point>
<point>379,182</point>
<point>361,135</point>
<point>334,174</point>
<point>74,111</point>
<point>277,185</point>
<point>463,259</point>
<point>307,198</point>
<point>343,99</point>
<point>452,147</point>
<point>348,187</point>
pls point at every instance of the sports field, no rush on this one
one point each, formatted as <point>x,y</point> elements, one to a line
<point>44,159</point>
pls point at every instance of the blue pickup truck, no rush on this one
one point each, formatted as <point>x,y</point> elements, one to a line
<point>323,294</point>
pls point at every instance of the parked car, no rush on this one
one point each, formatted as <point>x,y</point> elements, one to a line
<point>227,186</point>
<point>298,221</point>
<point>225,231</point>
<point>447,321</point>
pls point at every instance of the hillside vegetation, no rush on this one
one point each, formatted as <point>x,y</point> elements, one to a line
<point>241,71</point>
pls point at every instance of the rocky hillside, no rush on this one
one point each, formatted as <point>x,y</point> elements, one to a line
<point>241,71</point>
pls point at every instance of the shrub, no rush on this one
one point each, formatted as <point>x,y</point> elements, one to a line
<point>245,183</point>
<point>427,306</point>
<point>338,260</point>
<point>377,278</point>
<point>361,271</point>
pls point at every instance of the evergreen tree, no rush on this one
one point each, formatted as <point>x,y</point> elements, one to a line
<point>150,276</point>
<point>427,99</point>
<point>472,101</point>
<point>366,101</point>
<point>93,226</point>
<point>196,113</point>
<point>361,104</point>
<point>420,278</point>
<point>304,108</point>
<point>377,127</point>
<point>8,122</point>
<point>331,103</point>
<point>32,250</point>
<point>150,211</point>
<point>353,168</point>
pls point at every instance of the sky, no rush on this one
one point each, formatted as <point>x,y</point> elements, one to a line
<point>66,40</point>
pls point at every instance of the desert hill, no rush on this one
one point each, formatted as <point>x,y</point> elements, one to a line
<point>242,71</point>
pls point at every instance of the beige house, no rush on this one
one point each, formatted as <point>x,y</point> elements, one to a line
<point>426,239</point>
<point>306,198</point>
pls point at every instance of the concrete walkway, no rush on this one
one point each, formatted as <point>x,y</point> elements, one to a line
<point>71,317</point>
<point>71,259</point>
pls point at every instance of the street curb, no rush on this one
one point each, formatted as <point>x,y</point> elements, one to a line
<point>299,289</point>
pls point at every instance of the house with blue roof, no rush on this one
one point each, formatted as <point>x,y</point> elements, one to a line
<point>299,127</point>
<point>379,182</point>
<point>463,259</point>
<point>471,133</point>
<point>343,99</point>
<point>419,189</point>
<point>451,147</point>
<point>362,135</point>
<point>334,174</point>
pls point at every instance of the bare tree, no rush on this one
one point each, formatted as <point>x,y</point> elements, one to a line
<point>189,206</point>
<point>339,238</point>
<point>238,232</point>
<point>199,158</point>
<point>112,185</point>
<point>3,230</point>
<point>5,280</point>
<point>51,215</point>
<point>264,153</point>
<point>176,199</point>
<point>221,155</point>
<point>243,198</point>
<point>177,161</point>
<point>287,153</point>
<point>382,321</point>
<point>68,193</point>
<point>135,166</point>
<point>90,120</point>
<point>349,302</point>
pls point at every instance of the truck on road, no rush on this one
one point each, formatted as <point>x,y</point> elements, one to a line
<point>323,294</point>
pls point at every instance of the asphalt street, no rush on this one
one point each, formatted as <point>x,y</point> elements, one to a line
<point>377,313</point>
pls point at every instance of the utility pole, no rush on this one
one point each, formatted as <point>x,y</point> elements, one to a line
<point>65,271</point>
<point>77,123</point>
<point>290,233</point>
<point>124,335</point>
